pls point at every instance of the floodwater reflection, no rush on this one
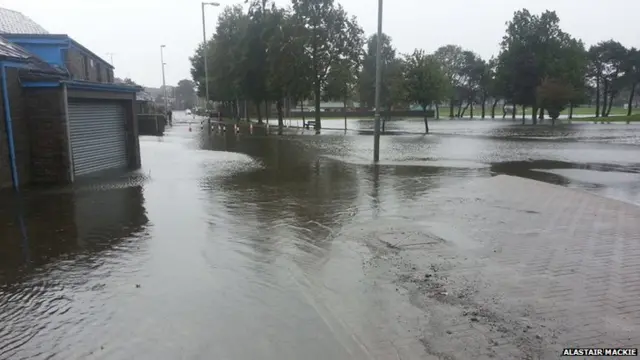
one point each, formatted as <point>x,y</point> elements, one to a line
<point>244,247</point>
<point>56,249</point>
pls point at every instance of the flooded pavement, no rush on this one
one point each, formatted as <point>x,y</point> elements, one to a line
<point>247,247</point>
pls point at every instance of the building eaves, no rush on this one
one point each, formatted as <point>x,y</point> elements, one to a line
<point>30,64</point>
<point>11,51</point>
<point>61,37</point>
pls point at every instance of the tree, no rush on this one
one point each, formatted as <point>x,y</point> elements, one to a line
<point>632,75</point>
<point>452,59</point>
<point>224,54</point>
<point>425,81</point>
<point>287,65</point>
<point>391,78</point>
<point>533,48</point>
<point>128,81</point>
<point>330,37</point>
<point>185,94</point>
<point>254,55</point>
<point>341,83</point>
<point>554,95</point>
<point>486,84</point>
<point>607,64</point>
<point>396,88</point>
<point>470,80</point>
<point>367,75</point>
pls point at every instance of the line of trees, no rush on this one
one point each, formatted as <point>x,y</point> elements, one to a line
<point>313,50</point>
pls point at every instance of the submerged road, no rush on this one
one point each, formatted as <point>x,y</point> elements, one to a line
<point>237,247</point>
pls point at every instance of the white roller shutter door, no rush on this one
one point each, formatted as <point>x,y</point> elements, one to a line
<point>98,137</point>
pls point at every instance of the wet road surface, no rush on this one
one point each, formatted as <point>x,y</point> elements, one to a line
<point>276,248</point>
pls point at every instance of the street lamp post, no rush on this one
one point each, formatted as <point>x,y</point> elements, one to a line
<point>376,131</point>
<point>164,85</point>
<point>111,57</point>
<point>206,63</point>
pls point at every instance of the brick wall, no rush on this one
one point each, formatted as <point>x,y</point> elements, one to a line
<point>75,61</point>
<point>20,134</point>
<point>133,134</point>
<point>20,126</point>
<point>47,127</point>
<point>5,166</point>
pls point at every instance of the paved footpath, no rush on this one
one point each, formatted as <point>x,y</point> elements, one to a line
<point>518,269</point>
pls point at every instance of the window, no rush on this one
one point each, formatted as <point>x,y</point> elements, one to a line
<point>99,71</point>
<point>85,61</point>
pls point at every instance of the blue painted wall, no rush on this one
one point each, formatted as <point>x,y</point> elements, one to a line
<point>50,53</point>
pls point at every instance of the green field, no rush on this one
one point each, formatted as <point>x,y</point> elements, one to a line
<point>581,111</point>
<point>633,118</point>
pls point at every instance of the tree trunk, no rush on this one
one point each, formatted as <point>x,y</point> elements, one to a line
<point>426,122</point>
<point>437,111</point>
<point>524,112</point>
<point>460,109</point>
<point>605,94</point>
<point>493,108</point>
<point>280,116</point>
<point>259,113</point>
<point>302,110</point>
<point>613,95</point>
<point>239,117</point>
<point>344,109</point>
<point>571,110</point>
<point>386,117</point>
<point>266,111</point>
<point>631,96</point>
<point>513,111</point>
<point>597,96</point>
<point>471,110</point>
<point>316,92</point>
<point>451,106</point>
<point>534,113</point>
<point>484,102</point>
<point>541,114</point>
<point>463,110</point>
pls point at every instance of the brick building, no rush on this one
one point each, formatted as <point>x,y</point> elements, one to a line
<point>63,116</point>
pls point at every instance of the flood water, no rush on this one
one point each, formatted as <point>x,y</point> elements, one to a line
<point>248,247</point>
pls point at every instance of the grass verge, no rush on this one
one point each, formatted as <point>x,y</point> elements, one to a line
<point>613,119</point>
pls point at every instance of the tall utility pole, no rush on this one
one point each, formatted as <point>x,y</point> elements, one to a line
<point>376,131</point>
<point>204,50</point>
<point>111,58</point>
<point>164,85</point>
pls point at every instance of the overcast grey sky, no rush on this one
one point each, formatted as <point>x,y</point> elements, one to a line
<point>133,30</point>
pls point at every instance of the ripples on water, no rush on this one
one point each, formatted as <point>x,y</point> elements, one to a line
<point>244,252</point>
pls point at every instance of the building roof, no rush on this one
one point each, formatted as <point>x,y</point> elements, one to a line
<point>61,38</point>
<point>31,64</point>
<point>11,51</point>
<point>14,22</point>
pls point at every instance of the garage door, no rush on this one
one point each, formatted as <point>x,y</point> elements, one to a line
<point>98,138</point>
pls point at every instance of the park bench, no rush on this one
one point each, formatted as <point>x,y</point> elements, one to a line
<point>309,124</point>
